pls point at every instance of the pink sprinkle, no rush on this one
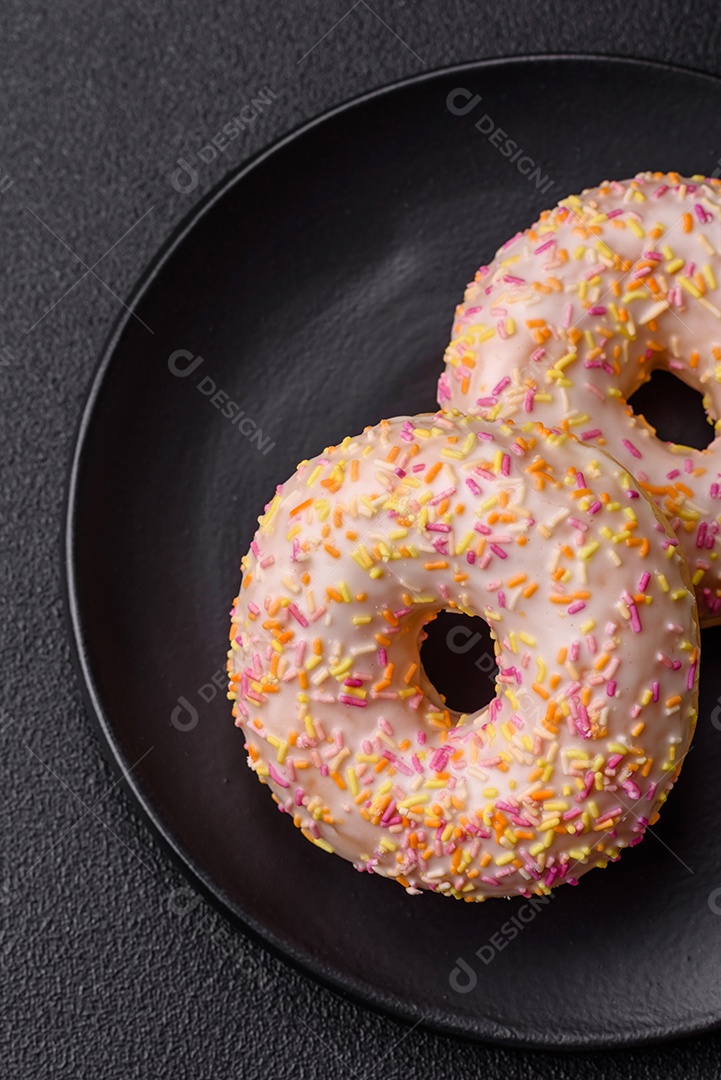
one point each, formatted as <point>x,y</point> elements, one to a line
<point>498,551</point>
<point>597,309</point>
<point>438,526</point>
<point>643,581</point>
<point>441,496</point>
<point>505,466</point>
<point>421,738</point>
<point>632,789</point>
<point>297,615</point>
<point>528,404</point>
<point>513,280</point>
<point>635,620</point>
<point>440,758</point>
<point>382,657</point>
<point>578,605</point>
<point>691,676</point>
<point>567,316</point>
<point>501,386</point>
<point>347,699</point>
<point>275,775</point>
<point>614,213</point>
<point>654,690</point>
<point>595,507</point>
<point>591,434</point>
<point>610,688</point>
<point>544,247</point>
<point>415,760</point>
<point>660,190</point>
<point>631,448</point>
<point>473,486</point>
<point>538,354</point>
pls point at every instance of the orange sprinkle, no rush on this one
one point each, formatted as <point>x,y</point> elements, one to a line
<point>300,507</point>
<point>412,668</point>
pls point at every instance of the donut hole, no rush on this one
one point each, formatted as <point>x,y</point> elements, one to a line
<point>459,660</point>
<point>675,410</point>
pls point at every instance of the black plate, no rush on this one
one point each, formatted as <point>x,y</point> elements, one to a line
<point>318,286</point>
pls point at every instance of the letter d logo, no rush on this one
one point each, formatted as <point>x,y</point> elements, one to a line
<point>182,371</point>
<point>184,716</point>
<point>185,178</point>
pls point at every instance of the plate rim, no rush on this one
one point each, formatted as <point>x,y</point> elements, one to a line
<point>378,1000</point>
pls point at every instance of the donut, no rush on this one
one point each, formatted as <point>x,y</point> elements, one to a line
<point>593,618</point>
<point>574,314</point>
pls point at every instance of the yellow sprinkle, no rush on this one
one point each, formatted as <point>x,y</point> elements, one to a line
<point>352,780</point>
<point>689,286</point>
<point>503,860</point>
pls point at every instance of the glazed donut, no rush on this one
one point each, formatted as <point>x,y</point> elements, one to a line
<point>594,624</point>
<point>575,313</point>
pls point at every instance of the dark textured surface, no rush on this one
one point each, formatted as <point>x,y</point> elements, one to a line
<point>110,967</point>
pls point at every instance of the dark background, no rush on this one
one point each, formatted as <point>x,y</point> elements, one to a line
<point>111,966</point>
